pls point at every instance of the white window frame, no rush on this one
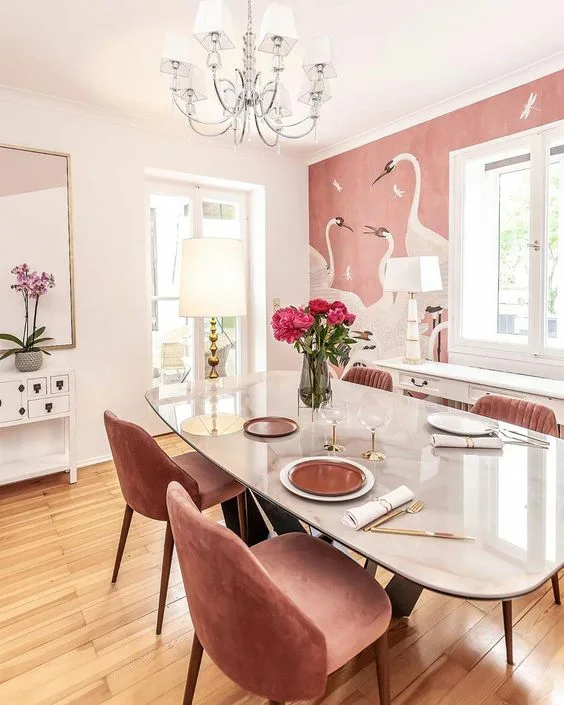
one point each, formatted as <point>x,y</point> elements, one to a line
<point>533,357</point>
<point>196,195</point>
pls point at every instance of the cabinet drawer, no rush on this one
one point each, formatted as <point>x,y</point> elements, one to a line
<point>48,406</point>
<point>60,384</point>
<point>419,383</point>
<point>475,393</point>
<point>36,387</point>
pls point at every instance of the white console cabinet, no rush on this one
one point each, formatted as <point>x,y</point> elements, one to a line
<point>37,424</point>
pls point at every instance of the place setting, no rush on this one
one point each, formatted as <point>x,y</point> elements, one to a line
<point>371,516</point>
<point>477,433</point>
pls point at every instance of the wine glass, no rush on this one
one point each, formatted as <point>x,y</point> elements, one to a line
<point>373,417</point>
<point>333,412</point>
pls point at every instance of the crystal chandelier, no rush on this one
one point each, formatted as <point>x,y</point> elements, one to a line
<point>250,99</point>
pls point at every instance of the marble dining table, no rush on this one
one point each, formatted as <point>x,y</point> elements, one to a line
<point>510,499</point>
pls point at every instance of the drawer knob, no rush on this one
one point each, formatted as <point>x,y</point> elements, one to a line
<point>49,407</point>
<point>21,388</point>
<point>59,384</point>
<point>424,383</point>
<point>22,411</point>
<point>37,388</point>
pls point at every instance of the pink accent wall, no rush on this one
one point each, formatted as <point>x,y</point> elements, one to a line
<point>362,204</point>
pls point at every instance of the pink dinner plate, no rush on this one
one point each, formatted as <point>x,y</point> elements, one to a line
<point>326,477</point>
<point>270,426</point>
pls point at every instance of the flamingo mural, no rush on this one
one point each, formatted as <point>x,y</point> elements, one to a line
<point>413,203</point>
<point>322,273</point>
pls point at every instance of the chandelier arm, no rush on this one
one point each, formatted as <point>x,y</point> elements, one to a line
<point>293,137</point>
<point>205,134</point>
<point>292,124</point>
<point>232,112</point>
<point>263,138</point>
<point>266,112</point>
<point>197,120</point>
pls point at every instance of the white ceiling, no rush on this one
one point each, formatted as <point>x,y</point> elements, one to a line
<point>393,58</point>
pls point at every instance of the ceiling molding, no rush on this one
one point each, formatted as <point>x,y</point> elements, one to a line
<point>474,95</point>
<point>164,128</point>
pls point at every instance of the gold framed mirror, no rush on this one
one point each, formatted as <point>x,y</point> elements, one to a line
<point>36,228</point>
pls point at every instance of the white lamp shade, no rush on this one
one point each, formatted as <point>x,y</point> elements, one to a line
<point>319,51</point>
<point>212,278</point>
<point>213,18</point>
<point>413,274</point>
<point>278,21</point>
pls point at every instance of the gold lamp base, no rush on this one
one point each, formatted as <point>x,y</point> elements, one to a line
<point>213,359</point>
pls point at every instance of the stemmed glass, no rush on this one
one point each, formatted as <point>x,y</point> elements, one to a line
<point>373,417</point>
<point>333,412</point>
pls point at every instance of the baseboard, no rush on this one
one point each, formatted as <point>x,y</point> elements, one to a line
<point>94,461</point>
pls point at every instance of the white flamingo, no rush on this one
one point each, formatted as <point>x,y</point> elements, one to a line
<point>322,273</point>
<point>420,240</point>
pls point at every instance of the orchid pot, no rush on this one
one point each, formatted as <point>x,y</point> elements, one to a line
<point>27,350</point>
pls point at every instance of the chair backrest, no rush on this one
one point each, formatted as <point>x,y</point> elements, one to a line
<point>251,630</point>
<point>144,470</point>
<point>528,414</point>
<point>370,377</point>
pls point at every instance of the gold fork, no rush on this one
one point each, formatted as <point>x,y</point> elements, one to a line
<point>414,508</point>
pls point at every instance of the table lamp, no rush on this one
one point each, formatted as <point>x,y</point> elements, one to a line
<point>413,275</point>
<point>212,284</point>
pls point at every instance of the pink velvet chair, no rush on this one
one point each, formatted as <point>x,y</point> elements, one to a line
<point>534,417</point>
<point>279,617</point>
<point>144,472</point>
<point>370,378</point>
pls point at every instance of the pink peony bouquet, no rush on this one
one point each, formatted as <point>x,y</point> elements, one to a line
<point>320,331</point>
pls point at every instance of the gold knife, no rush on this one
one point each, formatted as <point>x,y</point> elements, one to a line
<point>383,520</point>
<point>421,532</point>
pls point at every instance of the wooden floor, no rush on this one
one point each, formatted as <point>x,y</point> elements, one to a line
<point>68,636</point>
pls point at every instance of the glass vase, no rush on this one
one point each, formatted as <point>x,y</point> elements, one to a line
<point>315,382</point>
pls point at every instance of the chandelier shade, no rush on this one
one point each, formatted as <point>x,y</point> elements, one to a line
<point>213,24</point>
<point>250,101</point>
<point>278,22</point>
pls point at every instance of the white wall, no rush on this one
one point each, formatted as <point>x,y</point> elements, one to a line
<point>108,161</point>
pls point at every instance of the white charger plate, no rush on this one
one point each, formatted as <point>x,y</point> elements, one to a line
<point>368,485</point>
<point>461,425</point>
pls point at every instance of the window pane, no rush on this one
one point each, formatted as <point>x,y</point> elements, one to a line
<point>169,226</point>
<point>220,219</point>
<point>554,269</point>
<point>513,234</point>
<point>171,336</point>
<point>173,354</point>
<point>495,248</point>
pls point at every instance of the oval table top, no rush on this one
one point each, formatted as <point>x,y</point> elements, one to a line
<point>508,499</point>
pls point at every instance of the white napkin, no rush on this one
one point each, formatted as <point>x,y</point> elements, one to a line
<point>443,440</point>
<point>360,516</point>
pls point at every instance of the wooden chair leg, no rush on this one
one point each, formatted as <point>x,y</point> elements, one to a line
<point>165,574</point>
<point>193,670</point>
<point>508,628</point>
<point>556,588</point>
<point>383,669</point>
<point>242,512</point>
<point>128,514</point>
